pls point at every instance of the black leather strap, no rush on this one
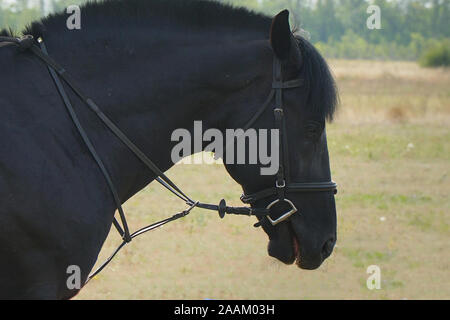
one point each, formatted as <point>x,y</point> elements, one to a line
<point>161,177</point>
<point>291,188</point>
<point>23,43</point>
<point>223,209</point>
<point>137,233</point>
<point>288,84</point>
<point>124,233</point>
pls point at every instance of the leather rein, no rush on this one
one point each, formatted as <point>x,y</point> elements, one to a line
<point>282,183</point>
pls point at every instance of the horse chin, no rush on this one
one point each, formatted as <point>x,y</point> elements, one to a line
<point>285,249</point>
<point>288,250</point>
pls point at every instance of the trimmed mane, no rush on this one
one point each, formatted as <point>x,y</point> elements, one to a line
<point>187,14</point>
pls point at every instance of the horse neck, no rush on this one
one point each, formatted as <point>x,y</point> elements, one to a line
<point>149,88</point>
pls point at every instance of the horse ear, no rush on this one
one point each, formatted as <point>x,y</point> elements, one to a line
<point>280,35</point>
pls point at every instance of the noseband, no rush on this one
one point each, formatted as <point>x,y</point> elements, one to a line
<point>282,186</point>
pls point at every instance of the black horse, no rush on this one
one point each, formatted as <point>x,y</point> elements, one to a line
<point>152,66</point>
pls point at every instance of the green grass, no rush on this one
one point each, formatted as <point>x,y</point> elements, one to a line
<point>383,201</point>
<point>363,259</point>
<point>385,142</point>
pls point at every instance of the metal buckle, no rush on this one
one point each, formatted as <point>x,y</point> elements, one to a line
<point>284,216</point>
<point>278,110</point>
<point>280,186</point>
<point>278,113</point>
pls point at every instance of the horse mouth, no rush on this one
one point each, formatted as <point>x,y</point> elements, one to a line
<point>300,261</point>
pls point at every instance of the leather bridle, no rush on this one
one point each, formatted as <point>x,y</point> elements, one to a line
<point>283,185</point>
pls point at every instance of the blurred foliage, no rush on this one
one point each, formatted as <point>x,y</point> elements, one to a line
<point>437,56</point>
<point>409,28</point>
<point>338,27</point>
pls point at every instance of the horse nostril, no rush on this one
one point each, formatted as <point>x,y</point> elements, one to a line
<point>328,247</point>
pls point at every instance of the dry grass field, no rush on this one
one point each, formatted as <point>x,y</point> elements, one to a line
<point>390,154</point>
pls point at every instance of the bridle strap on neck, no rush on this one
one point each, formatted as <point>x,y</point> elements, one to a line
<point>24,43</point>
